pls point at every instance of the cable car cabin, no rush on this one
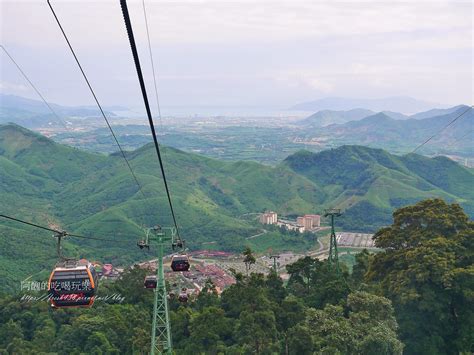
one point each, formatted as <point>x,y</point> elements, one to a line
<point>150,281</point>
<point>180,263</point>
<point>73,283</point>
<point>183,297</point>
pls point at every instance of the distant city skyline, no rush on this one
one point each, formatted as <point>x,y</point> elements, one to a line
<point>259,54</point>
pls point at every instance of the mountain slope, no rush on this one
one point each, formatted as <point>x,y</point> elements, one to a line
<point>370,182</point>
<point>92,194</point>
<point>327,117</point>
<point>436,112</point>
<point>34,113</point>
<point>381,130</point>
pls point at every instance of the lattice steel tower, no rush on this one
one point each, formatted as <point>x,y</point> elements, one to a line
<point>333,253</point>
<point>161,329</point>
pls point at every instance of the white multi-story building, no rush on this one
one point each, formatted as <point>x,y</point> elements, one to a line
<point>316,219</point>
<point>269,218</point>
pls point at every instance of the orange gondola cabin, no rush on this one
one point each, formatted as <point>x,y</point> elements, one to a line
<point>73,283</point>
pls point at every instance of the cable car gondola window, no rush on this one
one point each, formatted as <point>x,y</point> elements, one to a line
<point>73,284</point>
<point>180,263</point>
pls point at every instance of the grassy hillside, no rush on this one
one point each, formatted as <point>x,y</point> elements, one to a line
<point>92,194</point>
<point>369,183</point>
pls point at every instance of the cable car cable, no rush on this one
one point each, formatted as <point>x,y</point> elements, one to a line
<point>459,139</point>
<point>152,64</point>
<point>96,100</point>
<point>29,223</point>
<point>59,231</point>
<point>136,59</point>
<point>34,87</point>
<point>441,130</point>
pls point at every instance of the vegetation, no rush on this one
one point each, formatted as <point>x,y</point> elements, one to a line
<point>414,297</point>
<point>256,315</point>
<point>427,271</point>
<point>93,194</point>
<point>368,184</point>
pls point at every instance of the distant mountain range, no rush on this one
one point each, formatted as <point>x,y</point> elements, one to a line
<point>34,113</point>
<point>328,117</point>
<point>392,133</point>
<point>93,194</point>
<point>406,105</point>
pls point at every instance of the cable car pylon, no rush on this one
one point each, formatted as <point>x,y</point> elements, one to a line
<point>161,328</point>
<point>275,263</point>
<point>333,258</point>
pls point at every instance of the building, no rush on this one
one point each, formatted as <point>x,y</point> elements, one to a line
<point>268,218</point>
<point>305,222</point>
<point>291,226</point>
<point>309,221</point>
<point>107,269</point>
<point>316,218</point>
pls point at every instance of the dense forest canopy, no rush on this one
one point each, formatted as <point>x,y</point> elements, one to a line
<point>414,297</point>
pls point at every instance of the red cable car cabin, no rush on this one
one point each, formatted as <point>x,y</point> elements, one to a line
<point>180,263</point>
<point>73,283</point>
<point>183,296</point>
<point>150,281</point>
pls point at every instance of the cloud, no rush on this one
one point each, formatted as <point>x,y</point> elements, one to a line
<point>13,87</point>
<point>251,49</point>
<point>96,23</point>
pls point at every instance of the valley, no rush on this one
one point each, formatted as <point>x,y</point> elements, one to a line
<point>266,139</point>
<point>92,194</point>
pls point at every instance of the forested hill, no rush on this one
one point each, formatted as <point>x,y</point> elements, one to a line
<point>92,194</point>
<point>413,297</point>
<point>399,135</point>
<point>369,183</point>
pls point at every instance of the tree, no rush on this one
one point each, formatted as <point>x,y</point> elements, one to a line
<point>300,340</point>
<point>9,331</point>
<point>208,296</point>
<point>360,268</point>
<point>427,271</point>
<point>257,329</point>
<point>249,259</point>
<point>373,317</point>
<point>289,314</point>
<point>317,283</point>
<point>209,329</point>
<point>97,343</point>
<point>352,329</point>
<point>276,290</point>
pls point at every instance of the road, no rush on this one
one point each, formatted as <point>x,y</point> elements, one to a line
<point>258,235</point>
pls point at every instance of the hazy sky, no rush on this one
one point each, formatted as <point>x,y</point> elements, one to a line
<point>244,53</point>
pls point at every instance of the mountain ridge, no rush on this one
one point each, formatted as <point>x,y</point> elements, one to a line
<point>94,194</point>
<point>403,104</point>
<point>33,113</point>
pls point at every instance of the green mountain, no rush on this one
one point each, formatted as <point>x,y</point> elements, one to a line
<point>91,194</point>
<point>94,195</point>
<point>436,112</point>
<point>405,135</point>
<point>369,183</point>
<point>327,117</point>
